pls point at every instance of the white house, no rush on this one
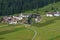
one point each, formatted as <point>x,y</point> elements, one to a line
<point>13,22</point>
<point>57,13</point>
<point>37,20</point>
<point>49,14</point>
<point>23,15</point>
<point>18,18</point>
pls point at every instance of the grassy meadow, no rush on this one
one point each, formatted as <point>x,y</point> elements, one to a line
<point>47,29</point>
<point>15,32</point>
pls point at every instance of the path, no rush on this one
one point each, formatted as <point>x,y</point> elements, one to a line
<point>35,32</point>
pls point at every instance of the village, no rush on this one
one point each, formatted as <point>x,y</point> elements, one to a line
<point>21,18</point>
<point>27,18</point>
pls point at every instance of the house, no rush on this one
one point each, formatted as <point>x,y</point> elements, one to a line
<point>5,19</point>
<point>18,17</point>
<point>57,13</point>
<point>9,20</point>
<point>12,21</point>
<point>36,17</point>
<point>49,14</point>
<point>24,15</point>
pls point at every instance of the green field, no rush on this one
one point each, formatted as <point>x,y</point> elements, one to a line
<point>15,32</point>
<point>47,29</point>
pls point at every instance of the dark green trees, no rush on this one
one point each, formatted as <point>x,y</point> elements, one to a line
<point>8,7</point>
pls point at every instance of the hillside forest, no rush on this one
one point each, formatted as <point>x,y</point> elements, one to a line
<point>9,7</point>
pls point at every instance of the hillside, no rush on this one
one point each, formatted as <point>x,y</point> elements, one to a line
<point>47,29</point>
<point>46,8</point>
<point>50,6</point>
<point>9,7</point>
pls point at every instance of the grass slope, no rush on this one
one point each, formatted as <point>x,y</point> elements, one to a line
<point>46,8</point>
<point>47,29</point>
<point>15,32</point>
<point>50,31</point>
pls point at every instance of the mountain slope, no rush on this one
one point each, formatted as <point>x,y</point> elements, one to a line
<point>49,7</point>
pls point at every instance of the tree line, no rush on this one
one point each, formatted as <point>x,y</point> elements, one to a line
<point>9,7</point>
